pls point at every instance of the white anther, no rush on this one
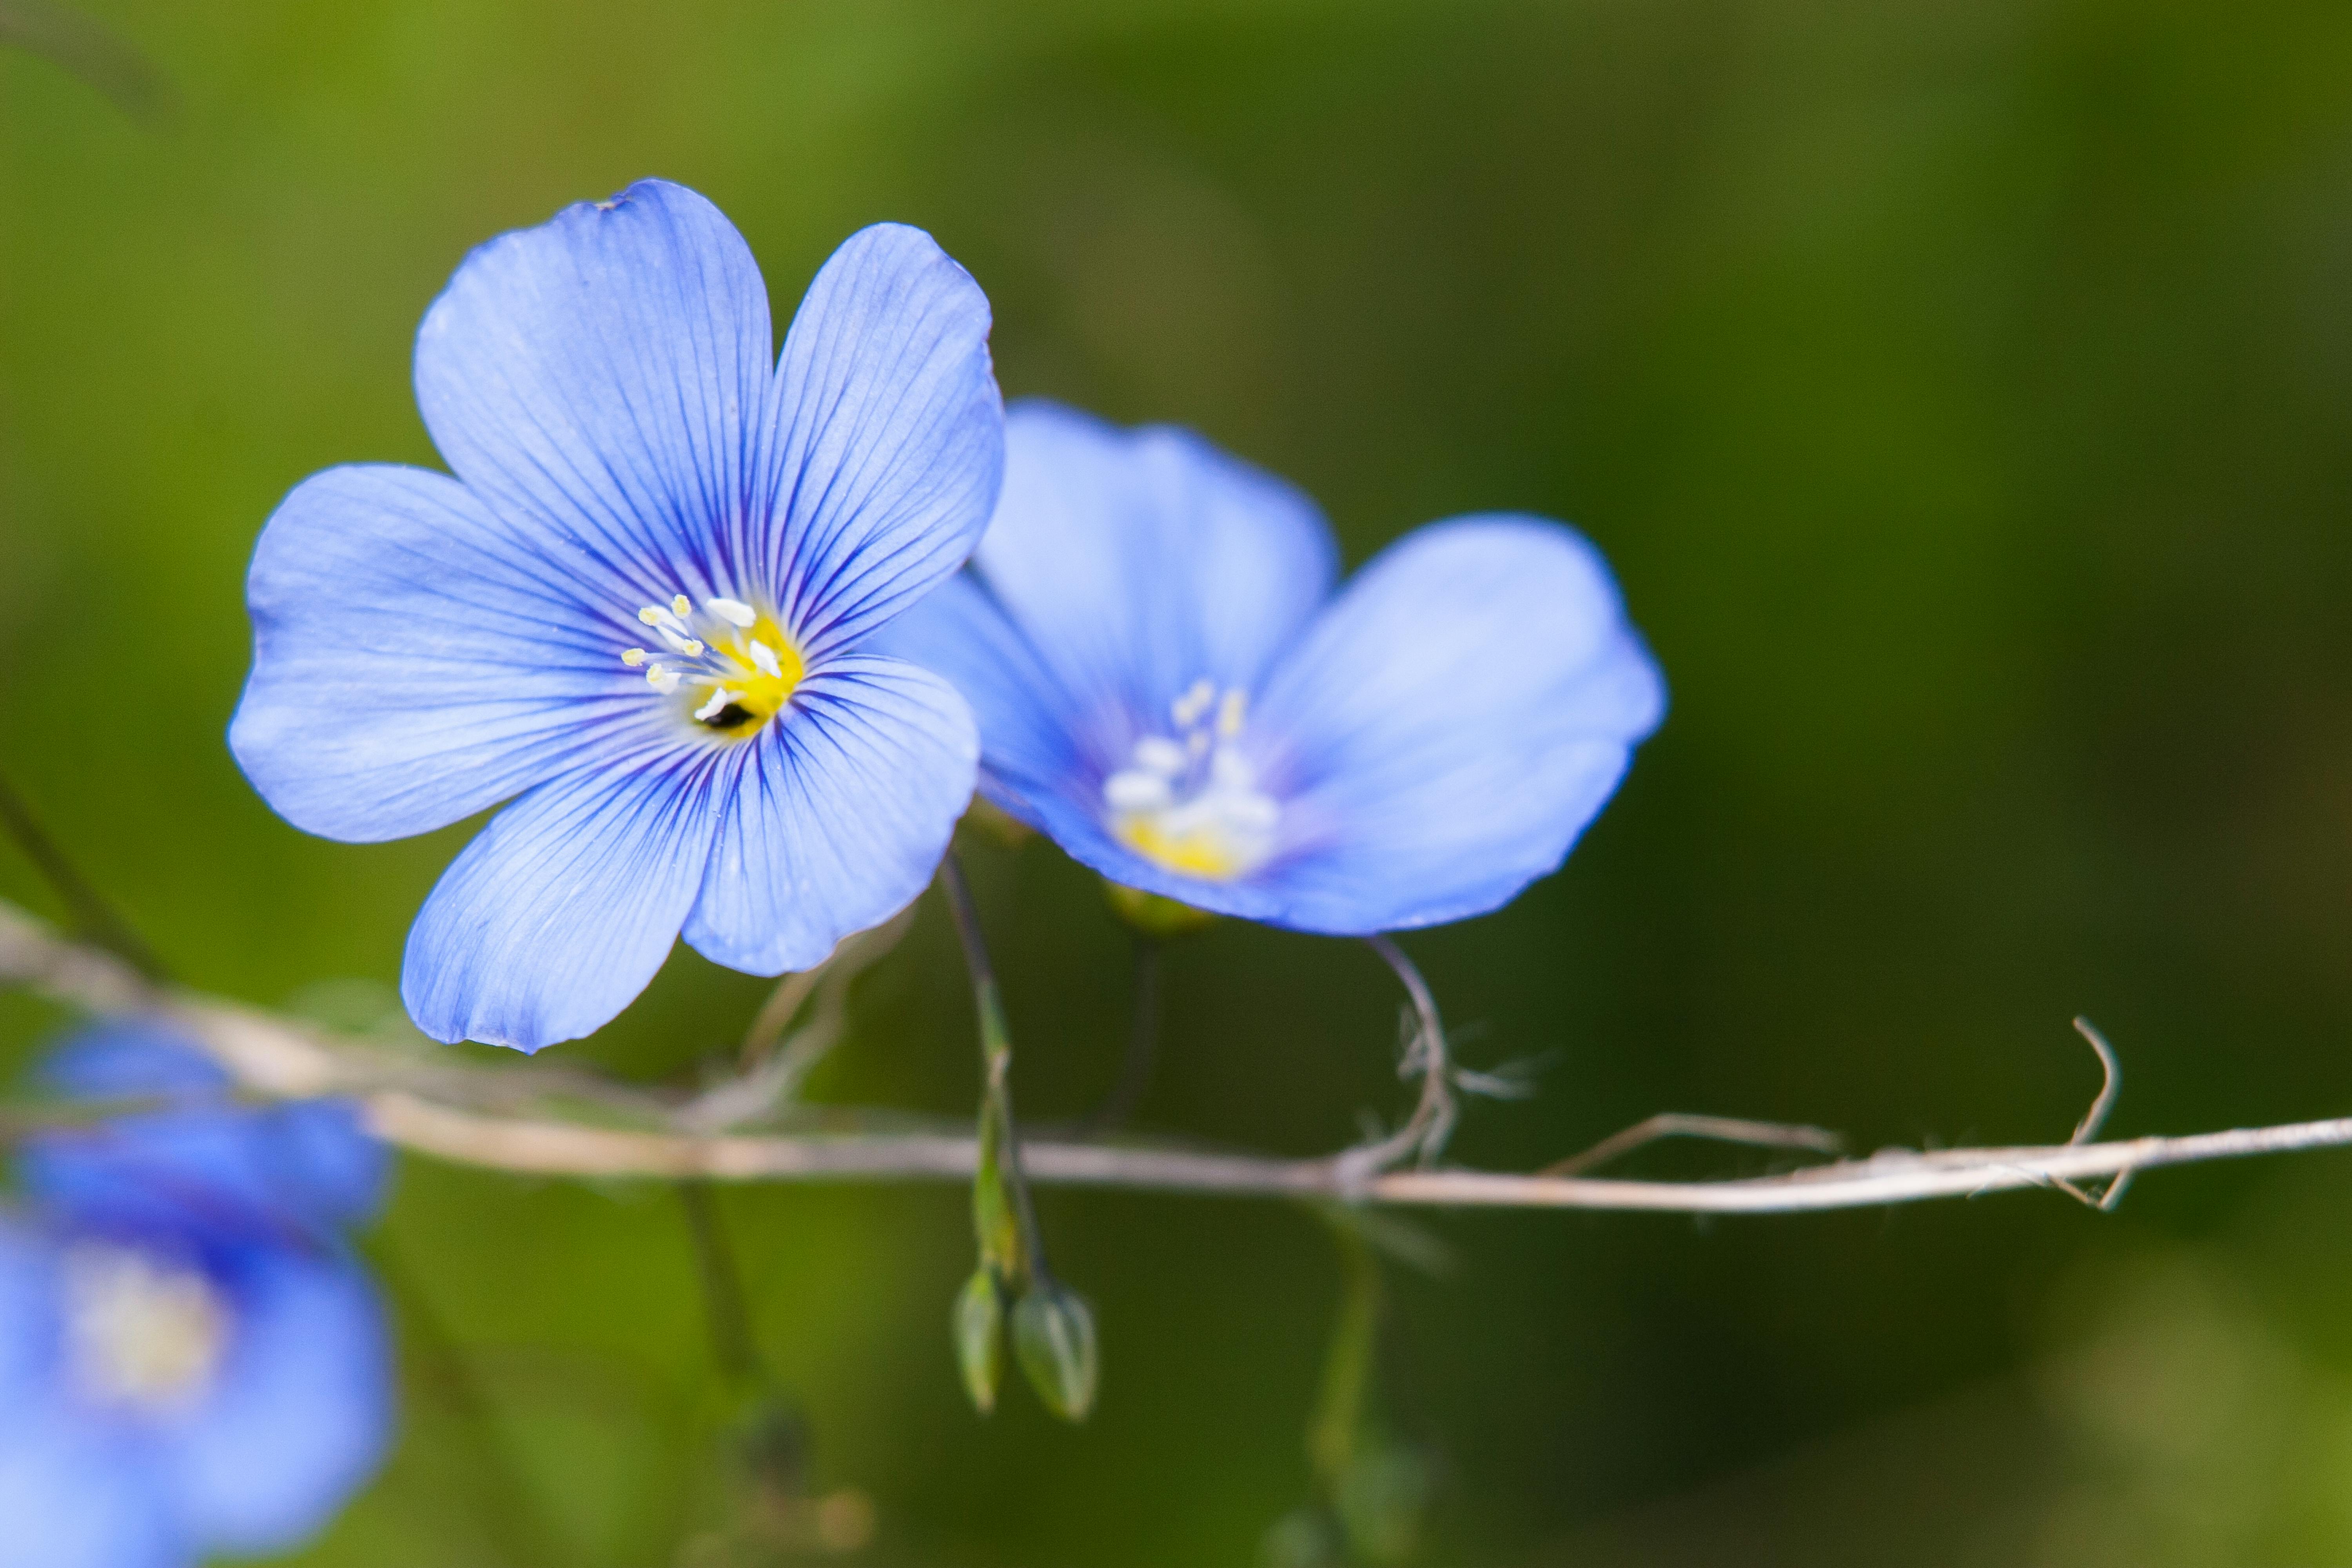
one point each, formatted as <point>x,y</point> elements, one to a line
<point>680,643</point>
<point>765,658</point>
<point>1159,755</point>
<point>734,612</point>
<point>681,607</point>
<point>718,704</point>
<point>1132,789</point>
<point>635,657</point>
<point>655,617</point>
<point>664,679</point>
<point>1188,708</point>
<point>1231,713</point>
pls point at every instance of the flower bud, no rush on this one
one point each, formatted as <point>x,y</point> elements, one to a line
<point>978,1338</point>
<point>1154,915</point>
<point>1054,1334</point>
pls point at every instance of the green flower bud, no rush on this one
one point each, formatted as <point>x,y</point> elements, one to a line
<point>1154,915</point>
<point>1053,1335</point>
<point>979,1338</point>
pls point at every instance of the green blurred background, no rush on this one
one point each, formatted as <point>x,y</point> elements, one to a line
<point>1963,391</point>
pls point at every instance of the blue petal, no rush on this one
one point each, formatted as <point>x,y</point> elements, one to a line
<point>70,1498</point>
<point>563,910</point>
<point>602,375</point>
<point>837,816</point>
<point>885,438</point>
<point>302,1168</point>
<point>1026,748</point>
<point>416,658</point>
<point>301,1415</point>
<point>1449,726</point>
<point>1135,563</point>
<point>73,1493</point>
<point>28,1322</point>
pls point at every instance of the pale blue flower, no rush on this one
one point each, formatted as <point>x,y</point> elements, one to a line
<point>637,608</point>
<point>190,1361</point>
<point>1167,684</point>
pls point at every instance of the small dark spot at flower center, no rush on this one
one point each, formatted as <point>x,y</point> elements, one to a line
<point>734,716</point>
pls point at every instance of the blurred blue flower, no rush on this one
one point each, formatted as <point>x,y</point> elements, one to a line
<point>636,607</point>
<point>1166,685</point>
<point>190,1360</point>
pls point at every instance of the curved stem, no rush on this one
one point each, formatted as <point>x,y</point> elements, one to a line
<point>1142,1046</point>
<point>1424,1133</point>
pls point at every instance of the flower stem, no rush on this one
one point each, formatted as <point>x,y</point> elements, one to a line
<point>1006,1221</point>
<point>98,922</point>
<point>1142,1045</point>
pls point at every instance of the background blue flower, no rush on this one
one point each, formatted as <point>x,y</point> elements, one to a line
<point>190,1360</point>
<point>635,606</point>
<point>1165,685</point>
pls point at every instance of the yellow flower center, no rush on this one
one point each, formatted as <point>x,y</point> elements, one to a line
<point>729,667</point>
<point>1191,803</point>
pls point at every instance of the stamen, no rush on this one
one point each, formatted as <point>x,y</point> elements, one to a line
<point>718,704</point>
<point>1188,708</point>
<point>1159,754</point>
<point>765,658</point>
<point>635,657</point>
<point>664,680</point>
<point>1230,713</point>
<point>681,607</point>
<point>1132,790</point>
<point>734,612</point>
<point>689,647</point>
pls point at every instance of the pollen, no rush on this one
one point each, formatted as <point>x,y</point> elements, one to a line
<point>729,665</point>
<point>1190,801</point>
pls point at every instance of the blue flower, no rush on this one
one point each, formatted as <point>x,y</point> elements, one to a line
<point>190,1360</point>
<point>1167,685</point>
<point>636,608</point>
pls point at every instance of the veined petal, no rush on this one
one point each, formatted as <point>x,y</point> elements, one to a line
<point>415,658</point>
<point>1450,725</point>
<point>563,910</point>
<point>601,374</point>
<point>885,438</point>
<point>300,1416</point>
<point>962,635</point>
<point>1138,563</point>
<point>838,816</point>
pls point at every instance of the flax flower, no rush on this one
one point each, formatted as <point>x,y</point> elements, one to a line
<point>637,610</point>
<point>1167,685</point>
<point>190,1361</point>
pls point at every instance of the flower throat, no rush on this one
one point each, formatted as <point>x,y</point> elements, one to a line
<point>731,667</point>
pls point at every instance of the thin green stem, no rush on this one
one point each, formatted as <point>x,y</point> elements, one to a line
<point>1001,1211</point>
<point>1142,1046</point>
<point>94,918</point>
<point>733,1346</point>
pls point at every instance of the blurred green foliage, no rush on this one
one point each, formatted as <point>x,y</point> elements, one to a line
<point>1963,389</point>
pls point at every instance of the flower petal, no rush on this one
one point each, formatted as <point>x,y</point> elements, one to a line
<point>302,1412</point>
<point>601,374</point>
<point>1450,725</point>
<point>561,911</point>
<point>1138,562</point>
<point>885,437</point>
<point>72,1498</point>
<point>837,816</point>
<point>299,1168</point>
<point>415,660</point>
<point>962,635</point>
